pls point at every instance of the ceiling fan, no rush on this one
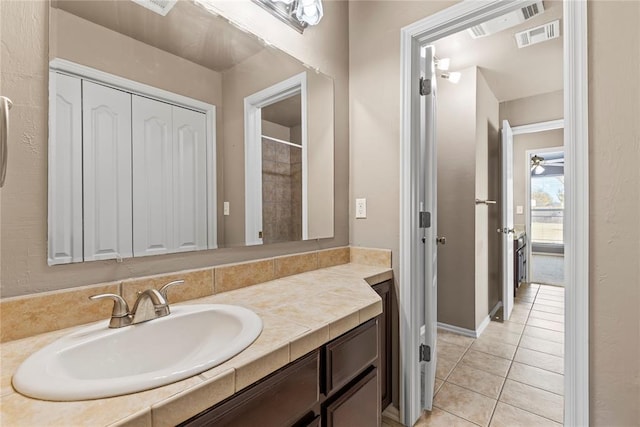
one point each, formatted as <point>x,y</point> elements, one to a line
<point>538,163</point>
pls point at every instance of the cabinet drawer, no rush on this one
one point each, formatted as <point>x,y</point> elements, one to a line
<point>356,407</point>
<point>349,355</point>
<point>279,400</point>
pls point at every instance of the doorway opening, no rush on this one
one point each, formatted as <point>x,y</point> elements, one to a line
<point>414,38</point>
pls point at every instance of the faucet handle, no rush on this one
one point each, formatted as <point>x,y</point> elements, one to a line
<point>165,288</point>
<point>120,307</point>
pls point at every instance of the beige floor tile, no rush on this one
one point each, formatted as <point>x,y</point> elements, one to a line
<point>546,324</point>
<point>532,399</point>
<point>537,377</point>
<point>496,348</point>
<point>501,336</point>
<point>476,380</point>
<point>436,386</point>
<point>552,287</point>
<point>524,298</point>
<point>465,403</point>
<point>520,310</point>
<point>522,304</point>
<point>453,338</point>
<point>439,418</point>
<point>546,294</point>
<point>540,360</point>
<point>548,308</point>
<point>544,334</point>
<point>450,351</point>
<point>515,328</point>
<point>544,346</point>
<point>444,367</point>
<point>486,362</point>
<point>535,314</point>
<point>510,416</point>
<point>549,297</point>
<point>518,318</point>
<point>558,304</point>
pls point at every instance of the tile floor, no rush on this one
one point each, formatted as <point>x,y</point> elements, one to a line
<point>512,375</point>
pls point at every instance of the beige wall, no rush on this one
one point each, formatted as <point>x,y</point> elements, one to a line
<point>524,111</point>
<point>456,136</point>
<point>24,78</point>
<point>487,261</point>
<point>614,153</point>
<point>466,128</point>
<point>614,108</point>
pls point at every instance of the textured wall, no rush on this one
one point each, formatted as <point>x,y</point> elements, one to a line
<point>614,152</point>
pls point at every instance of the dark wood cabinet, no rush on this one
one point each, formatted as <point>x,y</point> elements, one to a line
<point>335,385</point>
<point>384,337</point>
<point>357,406</point>
<point>284,398</point>
<point>519,261</point>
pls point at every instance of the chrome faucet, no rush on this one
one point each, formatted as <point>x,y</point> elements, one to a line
<point>151,304</point>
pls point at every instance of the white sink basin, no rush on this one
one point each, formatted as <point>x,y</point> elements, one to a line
<point>98,362</point>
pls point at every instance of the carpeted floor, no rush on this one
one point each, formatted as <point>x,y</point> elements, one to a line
<point>547,269</point>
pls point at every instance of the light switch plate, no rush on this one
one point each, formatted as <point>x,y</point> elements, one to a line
<point>226,208</point>
<point>361,208</point>
<point>519,210</point>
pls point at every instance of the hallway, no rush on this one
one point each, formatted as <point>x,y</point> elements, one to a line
<point>512,375</point>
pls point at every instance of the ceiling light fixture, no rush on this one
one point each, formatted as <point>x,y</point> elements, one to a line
<point>298,14</point>
<point>536,164</point>
<point>442,64</point>
<point>453,77</point>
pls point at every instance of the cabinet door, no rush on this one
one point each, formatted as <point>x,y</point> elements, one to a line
<point>65,170</point>
<point>189,180</point>
<point>153,199</point>
<point>358,406</point>
<point>106,168</point>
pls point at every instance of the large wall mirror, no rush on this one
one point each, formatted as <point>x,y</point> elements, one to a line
<point>174,131</point>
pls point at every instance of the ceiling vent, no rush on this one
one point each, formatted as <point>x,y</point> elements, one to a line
<point>539,34</point>
<point>505,21</point>
<point>161,7</point>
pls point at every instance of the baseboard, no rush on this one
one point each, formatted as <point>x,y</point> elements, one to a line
<point>483,326</point>
<point>464,331</point>
<point>457,329</point>
<point>495,309</point>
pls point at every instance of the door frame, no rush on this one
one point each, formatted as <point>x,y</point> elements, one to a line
<point>527,200</point>
<point>576,144</point>
<point>253,105</point>
<point>522,130</point>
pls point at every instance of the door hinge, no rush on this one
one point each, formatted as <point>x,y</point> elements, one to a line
<point>425,219</point>
<point>425,86</point>
<point>259,234</point>
<point>425,353</point>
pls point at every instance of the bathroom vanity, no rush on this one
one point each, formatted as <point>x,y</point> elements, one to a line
<point>335,385</point>
<point>321,360</point>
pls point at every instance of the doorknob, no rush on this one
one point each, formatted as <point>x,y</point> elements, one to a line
<point>441,240</point>
<point>505,230</point>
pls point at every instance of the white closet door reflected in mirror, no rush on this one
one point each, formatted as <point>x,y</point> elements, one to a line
<point>129,175</point>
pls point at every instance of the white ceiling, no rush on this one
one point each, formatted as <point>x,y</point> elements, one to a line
<point>511,73</point>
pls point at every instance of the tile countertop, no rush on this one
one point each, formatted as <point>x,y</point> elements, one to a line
<point>300,313</point>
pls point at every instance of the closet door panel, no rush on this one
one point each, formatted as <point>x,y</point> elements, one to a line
<point>106,172</point>
<point>65,170</point>
<point>152,177</point>
<point>189,179</point>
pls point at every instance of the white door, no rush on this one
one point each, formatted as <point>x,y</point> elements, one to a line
<point>189,180</point>
<point>428,201</point>
<point>65,170</point>
<point>152,177</point>
<point>106,169</point>
<point>507,219</point>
